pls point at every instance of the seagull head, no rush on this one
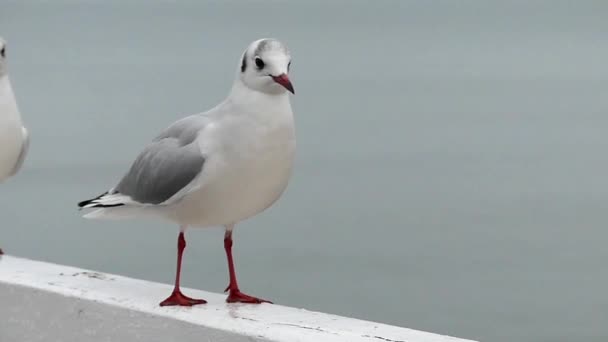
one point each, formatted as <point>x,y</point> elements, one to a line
<point>265,67</point>
<point>2,57</point>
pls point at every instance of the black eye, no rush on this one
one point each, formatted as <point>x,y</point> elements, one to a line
<point>3,52</point>
<point>259,63</point>
<point>288,65</point>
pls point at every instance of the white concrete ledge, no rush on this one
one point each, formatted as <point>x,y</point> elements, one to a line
<point>47,302</point>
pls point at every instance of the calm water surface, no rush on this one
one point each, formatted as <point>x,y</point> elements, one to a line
<point>451,168</point>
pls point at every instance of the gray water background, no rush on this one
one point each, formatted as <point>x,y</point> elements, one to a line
<point>451,168</point>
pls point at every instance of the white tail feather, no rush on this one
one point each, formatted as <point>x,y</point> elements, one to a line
<point>121,213</point>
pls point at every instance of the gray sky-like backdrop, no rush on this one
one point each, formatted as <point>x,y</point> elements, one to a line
<point>451,167</point>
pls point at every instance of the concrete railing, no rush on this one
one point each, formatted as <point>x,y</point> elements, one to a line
<point>48,302</point>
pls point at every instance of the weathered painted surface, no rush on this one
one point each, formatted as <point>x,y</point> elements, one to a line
<point>47,302</point>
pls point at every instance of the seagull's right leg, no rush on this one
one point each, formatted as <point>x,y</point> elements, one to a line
<point>234,293</point>
<point>177,297</point>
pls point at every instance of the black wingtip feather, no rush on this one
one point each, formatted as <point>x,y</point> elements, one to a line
<point>89,201</point>
<point>83,203</point>
<point>108,205</point>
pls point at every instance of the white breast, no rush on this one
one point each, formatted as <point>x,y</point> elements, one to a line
<point>11,133</point>
<point>245,172</point>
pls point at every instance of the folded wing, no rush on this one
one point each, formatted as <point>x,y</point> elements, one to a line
<point>162,170</point>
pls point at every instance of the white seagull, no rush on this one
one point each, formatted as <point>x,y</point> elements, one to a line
<point>219,167</point>
<point>14,139</point>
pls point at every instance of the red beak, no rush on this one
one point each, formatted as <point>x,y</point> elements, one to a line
<point>283,80</point>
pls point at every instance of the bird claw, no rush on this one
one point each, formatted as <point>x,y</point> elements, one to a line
<point>179,299</point>
<point>236,296</point>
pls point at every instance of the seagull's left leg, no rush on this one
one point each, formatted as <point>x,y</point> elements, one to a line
<point>177,297</point>
<point>235,295</point>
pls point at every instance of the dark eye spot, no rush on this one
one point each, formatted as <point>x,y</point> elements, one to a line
<point>259,63</point>
<point>244,63</point>
<point>3,52</point>
<point>288,65</point>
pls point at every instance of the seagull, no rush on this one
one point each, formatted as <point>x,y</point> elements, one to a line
<point>216,168</point>
<point>14,139</point>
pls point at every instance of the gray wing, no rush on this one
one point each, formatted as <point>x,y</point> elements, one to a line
<point>24,148</point>
<point>167,165</point>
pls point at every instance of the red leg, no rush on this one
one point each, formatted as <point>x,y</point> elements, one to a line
<point>177,297</point>
<point>235,295</point>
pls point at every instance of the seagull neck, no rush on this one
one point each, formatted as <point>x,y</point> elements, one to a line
<point>8,107</point>
<point>4,82</point>
<point>5,88</point>
<point>241,95</point>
